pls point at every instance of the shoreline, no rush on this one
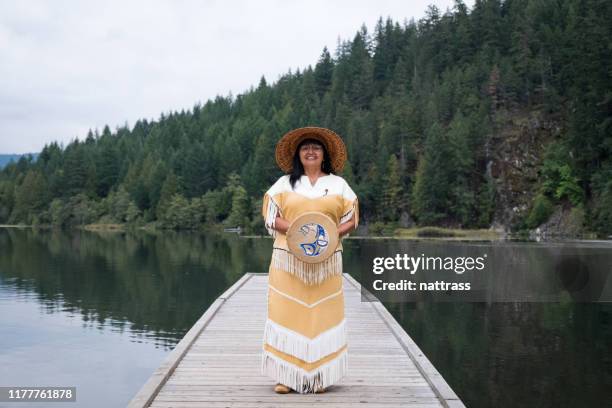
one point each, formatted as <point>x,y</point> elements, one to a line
<point>409,234</point>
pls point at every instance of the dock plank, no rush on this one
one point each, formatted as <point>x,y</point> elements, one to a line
<point>217,363</point>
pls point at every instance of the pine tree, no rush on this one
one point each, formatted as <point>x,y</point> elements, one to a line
<point>432,189</point>
<point>169,189</point>
<point>323,73</point>
<point>393,194</point>
<point>75,172</point>
<point>107,169</point>
<point>30,197</point>
<point>239,213</point>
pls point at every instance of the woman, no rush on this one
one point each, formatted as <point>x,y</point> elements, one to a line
<point>305,347</point>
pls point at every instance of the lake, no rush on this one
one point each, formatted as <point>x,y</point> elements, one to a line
<point>101,311</point>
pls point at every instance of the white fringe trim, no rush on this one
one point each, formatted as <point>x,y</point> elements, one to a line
<point>311,274</point>
<point>347,217</point>
<point>272,211</point>
<point>301,380</point>
<point>302,347</point>
<point>354,211</point>
<point>308,305</point>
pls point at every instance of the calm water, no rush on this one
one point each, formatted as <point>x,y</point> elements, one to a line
<point>102,311</point>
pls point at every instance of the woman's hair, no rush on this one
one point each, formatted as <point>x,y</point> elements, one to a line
<point>298,169</point>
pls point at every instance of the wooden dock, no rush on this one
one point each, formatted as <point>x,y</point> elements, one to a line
<point>217,363</point>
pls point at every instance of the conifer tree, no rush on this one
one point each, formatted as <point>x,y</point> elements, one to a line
<point>432,189</point>
<point>393,194</point>
<point>168,190</point>
<point>323,73</point>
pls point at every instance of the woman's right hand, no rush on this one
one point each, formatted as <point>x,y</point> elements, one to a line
<point>281,225</point>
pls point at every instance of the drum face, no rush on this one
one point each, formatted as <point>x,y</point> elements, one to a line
<point>312,237</point>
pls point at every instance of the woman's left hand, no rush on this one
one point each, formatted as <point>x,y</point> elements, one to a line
<point>347,227</point>
<point>281,224</point>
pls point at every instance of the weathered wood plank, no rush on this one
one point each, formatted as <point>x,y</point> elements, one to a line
<point>289,403</point>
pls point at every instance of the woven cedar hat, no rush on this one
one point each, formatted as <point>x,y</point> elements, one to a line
<point>286,146</point>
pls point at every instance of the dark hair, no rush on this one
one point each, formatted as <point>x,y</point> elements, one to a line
<point>298,169</point>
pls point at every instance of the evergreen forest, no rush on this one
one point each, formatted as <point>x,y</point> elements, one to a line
<point>494,115</point>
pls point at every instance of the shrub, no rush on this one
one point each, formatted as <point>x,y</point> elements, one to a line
<point>436,232</point>
<point>540,211</point>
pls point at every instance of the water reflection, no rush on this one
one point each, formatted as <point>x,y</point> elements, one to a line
<point>101,311</point>
<point>515,354</point>
<point>155,285</point>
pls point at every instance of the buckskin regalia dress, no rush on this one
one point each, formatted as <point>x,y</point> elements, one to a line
<point>305,340</point>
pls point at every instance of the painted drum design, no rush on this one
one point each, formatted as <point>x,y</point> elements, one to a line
<point>312,237</point>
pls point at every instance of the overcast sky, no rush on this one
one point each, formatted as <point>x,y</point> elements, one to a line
<point>68,66</point>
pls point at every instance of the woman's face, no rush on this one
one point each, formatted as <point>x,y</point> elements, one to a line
<point>311,155</point>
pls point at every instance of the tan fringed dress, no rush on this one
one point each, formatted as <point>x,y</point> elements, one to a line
<point>305,341</point>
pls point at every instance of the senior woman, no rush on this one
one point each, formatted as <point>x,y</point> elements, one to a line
<point>305,340</point>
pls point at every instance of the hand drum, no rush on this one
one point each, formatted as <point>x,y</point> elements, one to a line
<point>312,237</point>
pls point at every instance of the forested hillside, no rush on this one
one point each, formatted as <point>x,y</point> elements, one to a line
<point>496,115</point>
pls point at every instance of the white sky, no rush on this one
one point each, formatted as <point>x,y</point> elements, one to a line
<point>68,66</point>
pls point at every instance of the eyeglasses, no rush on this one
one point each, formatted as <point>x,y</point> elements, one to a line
<point>313,147</point>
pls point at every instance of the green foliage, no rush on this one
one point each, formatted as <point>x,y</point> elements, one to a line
<point>323,73</point>
<point>541,210</point>
<point>76,210</point>
<point>380,228</point>
<point>30,197</point>
<point>393,194</point>
<point>559,179</point>
<point>239,213</point>
<point>182,213</point>
<point>218,205</point>
<point>58,215</point>
<point>107,167</point>
<point>576,221</point>
<point>435,232</point>
<point>568,186</point>
<point>602,211</point>
<point>435,173</point>
<point>168,190</point>
<point>486,204</point>
<point>7,199</point>
<point>118,207</point>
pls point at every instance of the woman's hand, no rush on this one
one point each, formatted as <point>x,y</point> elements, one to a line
<point>347,227</point>
<point>281,225</point>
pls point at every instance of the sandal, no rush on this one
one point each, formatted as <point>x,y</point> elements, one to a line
<point>281,389</point>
